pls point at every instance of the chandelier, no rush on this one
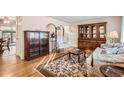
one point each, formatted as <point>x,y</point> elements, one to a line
<point>7,20</point>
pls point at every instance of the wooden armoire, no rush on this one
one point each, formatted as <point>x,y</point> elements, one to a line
<point>91,36</point>
<point>36,43</point>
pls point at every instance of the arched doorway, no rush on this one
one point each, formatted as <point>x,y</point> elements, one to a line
<point>52,36</point>
<point>56,38</point>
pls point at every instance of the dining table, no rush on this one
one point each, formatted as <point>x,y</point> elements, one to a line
<point>1,47</point>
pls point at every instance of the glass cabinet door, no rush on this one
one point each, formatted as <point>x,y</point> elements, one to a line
<point>102,36</point>
<point>82,31</point>
<point>94,32</point>
<point>31,36</point>
<point>87,32</point>
<point>102,31</point>
<point>97,30</point>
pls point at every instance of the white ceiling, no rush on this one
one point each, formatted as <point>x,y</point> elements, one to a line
<point>73,19</point>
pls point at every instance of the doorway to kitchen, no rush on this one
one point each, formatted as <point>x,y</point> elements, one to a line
<point>7,35</point>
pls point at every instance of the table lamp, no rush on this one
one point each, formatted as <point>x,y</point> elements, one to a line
<point>113,35</point>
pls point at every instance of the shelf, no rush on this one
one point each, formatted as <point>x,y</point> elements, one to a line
<point>92,33</point>
<point>35,43</point>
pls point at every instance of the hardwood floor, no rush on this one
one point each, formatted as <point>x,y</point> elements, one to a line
<point>12,66</point>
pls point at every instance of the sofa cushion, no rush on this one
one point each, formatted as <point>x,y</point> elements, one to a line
<point>121,50</point>
<point>107,45</point>
<point>109,50</point>
<point>112,45</point>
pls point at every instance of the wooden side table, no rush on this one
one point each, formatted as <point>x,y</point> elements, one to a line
<point>112,71</point>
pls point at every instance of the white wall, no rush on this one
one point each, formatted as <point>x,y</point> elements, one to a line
<point>74,35</point>
<point>122,30</point>
<point>39,22</point>
<point>113,23</point>
<point>34,23</point>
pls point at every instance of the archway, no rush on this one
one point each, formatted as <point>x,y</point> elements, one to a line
<point>52,36</point>
<point>56,36</point>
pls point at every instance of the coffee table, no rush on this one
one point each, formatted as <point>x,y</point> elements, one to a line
<point>77,52</point>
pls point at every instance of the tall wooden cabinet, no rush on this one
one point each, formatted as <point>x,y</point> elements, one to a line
<point>36,43</point>
<point>91,36</point>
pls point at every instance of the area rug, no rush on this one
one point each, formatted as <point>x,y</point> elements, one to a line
<point>64,67</point>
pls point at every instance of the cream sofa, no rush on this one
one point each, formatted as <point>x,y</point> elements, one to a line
<point>113,48</point>
<point>108,54</point>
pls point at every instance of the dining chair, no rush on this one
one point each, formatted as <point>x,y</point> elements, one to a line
<point>7,44</point>
<point>1,42</point>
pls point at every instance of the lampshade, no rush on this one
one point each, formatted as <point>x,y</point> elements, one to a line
<point>113,34</point>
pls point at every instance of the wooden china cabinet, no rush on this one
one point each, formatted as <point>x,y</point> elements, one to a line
<point>91,36</point>
<point>36,43</point>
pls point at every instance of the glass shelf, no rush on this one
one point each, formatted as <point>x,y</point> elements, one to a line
<point>94,36</point>
<point>102,36</point>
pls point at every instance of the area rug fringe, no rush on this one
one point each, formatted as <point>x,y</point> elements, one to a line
<point>43,61</point>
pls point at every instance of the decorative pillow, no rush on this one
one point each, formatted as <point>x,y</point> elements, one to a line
<point>108,46</point>
<point>121,50</point>
<point>111,50</point>
<point>118,45</point>
<point>112,45</point>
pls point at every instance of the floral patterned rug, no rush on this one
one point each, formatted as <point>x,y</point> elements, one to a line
<point>64,67</point>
